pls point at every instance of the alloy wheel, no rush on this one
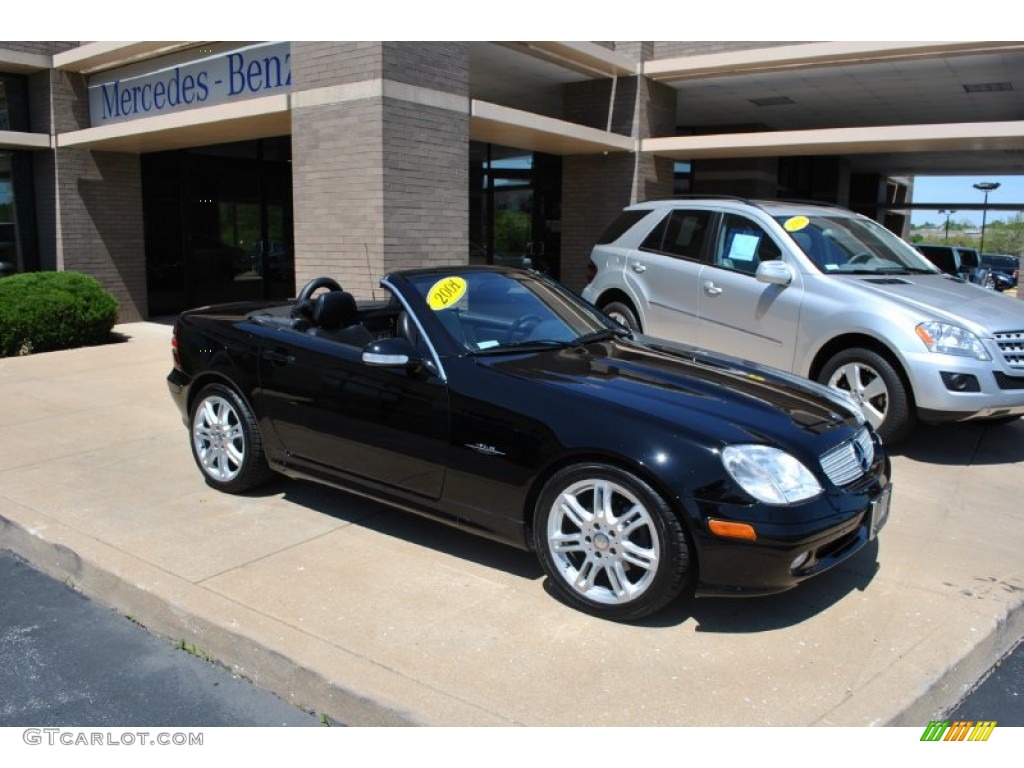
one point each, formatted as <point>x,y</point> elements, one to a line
<point>218,438</point>
<point>603,541</point>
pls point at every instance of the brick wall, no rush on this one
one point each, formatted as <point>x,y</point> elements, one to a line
<point>426,175</point>
<point>437,65</point>
<point>88,204</point>
<point>595,188</point>
<point>379,183</point>
<point>338,193</point>
<point>100,196</point>
<point>317,64</point>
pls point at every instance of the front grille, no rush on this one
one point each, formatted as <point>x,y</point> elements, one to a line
<point>850,460</point>
<point>1008,382</point>
<point>1011,346</point>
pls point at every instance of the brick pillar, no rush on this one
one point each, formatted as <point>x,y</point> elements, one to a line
<point>595,188</point>
<point>89,204</point>
<point>380,158</point>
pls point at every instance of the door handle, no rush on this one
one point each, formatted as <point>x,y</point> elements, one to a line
<point>711,289</point>
<point>639,267</point>
<point>278,356</point>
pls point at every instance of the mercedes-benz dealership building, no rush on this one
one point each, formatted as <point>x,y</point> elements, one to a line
<point>183,173</point>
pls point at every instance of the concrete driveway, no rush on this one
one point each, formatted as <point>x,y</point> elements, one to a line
<point>372,616</point>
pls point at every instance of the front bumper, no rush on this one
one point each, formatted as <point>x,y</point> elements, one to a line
<point>950,388</point>
<point>838,526</point>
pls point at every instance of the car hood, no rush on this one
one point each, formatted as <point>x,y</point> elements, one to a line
<point>721,398</point>
<point>946,298</point>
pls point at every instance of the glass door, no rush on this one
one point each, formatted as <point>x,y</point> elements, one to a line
<point>515,208</point>
<point>218,224</point>
<point>8,239</point>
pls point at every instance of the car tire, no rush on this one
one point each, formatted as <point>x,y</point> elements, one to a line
<point>622,312</point>
<point>609,543</point>
<point>877,386</point>
<point>226,441</point>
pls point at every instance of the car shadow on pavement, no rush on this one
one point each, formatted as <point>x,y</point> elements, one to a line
<point>964,444</point>
<point>407,526</point>
<point>742,615</point>
<point>721,615</point>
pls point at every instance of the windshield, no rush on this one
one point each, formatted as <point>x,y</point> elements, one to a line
<point>490,312</point>
<point>846,245</point>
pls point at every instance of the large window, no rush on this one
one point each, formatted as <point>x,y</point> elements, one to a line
<point>218,224</point>
<point>18,250</point>
<point>515,213</point>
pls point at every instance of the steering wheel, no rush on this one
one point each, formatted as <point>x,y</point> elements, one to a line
<point>316,283</point>
<point>861,258</point>
<point>523,327</point>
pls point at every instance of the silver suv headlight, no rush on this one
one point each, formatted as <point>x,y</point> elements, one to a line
<point>949,339</point>
<point>770,475</point>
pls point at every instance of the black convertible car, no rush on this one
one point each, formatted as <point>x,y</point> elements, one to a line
<point>497,401</point>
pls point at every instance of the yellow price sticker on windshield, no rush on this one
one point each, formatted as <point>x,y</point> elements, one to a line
<point>796,223</point>
<point>446,292</point>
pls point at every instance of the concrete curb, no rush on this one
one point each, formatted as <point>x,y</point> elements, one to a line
<point>175,609</point>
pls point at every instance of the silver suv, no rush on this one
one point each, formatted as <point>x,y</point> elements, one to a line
<point>819,291</point>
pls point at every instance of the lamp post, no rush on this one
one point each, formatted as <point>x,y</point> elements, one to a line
<point>947,214</point>
<point>986,187</point>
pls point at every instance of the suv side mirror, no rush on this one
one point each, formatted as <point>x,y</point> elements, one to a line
<point>774,272</point>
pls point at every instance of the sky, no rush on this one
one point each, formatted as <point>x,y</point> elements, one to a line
<point>951,190</point>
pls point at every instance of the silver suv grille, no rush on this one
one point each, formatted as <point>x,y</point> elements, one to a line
<point>850,460</point>
<point>1011,345</point>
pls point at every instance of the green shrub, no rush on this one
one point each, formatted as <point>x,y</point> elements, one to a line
<point>43,311</point>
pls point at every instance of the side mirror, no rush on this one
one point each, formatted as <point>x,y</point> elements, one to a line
<point>391,353</point>
<point>775,272</point>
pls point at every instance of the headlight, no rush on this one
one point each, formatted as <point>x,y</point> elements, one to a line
<point>770,475</point>
<point>951,340</point>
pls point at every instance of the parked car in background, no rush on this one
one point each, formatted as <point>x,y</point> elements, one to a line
<point>497,401</point>
<point>959,261</point>
<point>820,291</point>
<point>1005,269</point>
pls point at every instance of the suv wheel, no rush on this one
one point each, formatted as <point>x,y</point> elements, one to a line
<point>876,386</point>
<point>622,312</point>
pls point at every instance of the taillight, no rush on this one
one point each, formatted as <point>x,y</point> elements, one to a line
<point>174,347</point>
<point>591,271</point>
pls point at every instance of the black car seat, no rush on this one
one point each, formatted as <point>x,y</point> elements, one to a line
<point>406,329</point>
<point>336,317</point>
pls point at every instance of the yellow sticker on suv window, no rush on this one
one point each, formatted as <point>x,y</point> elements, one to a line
<point>446,292</point>
<point>796,223</point>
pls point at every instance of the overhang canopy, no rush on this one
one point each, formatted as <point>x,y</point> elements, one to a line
<point>22,140</point>
<point>236,121</point>
<point>526,130</point>
<point>850,141</point>
<point>94,57</point>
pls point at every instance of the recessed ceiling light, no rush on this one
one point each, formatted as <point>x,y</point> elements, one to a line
<point>987,87</point>
<point>773,101</point>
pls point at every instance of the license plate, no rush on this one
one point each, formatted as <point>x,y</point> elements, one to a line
<point>880,512</point>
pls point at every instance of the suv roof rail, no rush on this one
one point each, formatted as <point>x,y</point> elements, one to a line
<point>823,203</point>
<point>756,203</point>
<point>691,196</point>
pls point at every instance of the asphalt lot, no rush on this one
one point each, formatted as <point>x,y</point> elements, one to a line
<point>376,617</point>
<point>68,661</point>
